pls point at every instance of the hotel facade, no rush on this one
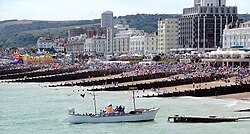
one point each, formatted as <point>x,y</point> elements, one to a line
<point>201,26</point>
<point>168,35</point>
<point>143,44</point>
<point>239,36</point>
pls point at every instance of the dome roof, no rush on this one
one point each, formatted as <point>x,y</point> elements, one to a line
<point>108,12</point>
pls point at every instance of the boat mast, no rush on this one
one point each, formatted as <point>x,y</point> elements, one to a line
<point>94,101</point>
<point>133,88</point>
<point>134,98</point>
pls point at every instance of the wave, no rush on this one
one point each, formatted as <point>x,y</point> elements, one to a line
<point>232,103</point>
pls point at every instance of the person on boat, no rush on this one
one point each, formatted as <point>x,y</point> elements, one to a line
<point>120,108</point>
<point>116,109</point>
<point>123,110</point>
<point>109,109</point>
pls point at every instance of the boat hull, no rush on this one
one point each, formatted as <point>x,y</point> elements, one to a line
<point>144,116</point>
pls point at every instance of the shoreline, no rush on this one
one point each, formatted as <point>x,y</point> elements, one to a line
<point>240,96</point>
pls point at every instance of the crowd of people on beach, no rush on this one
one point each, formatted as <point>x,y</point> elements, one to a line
<point>136,68</point>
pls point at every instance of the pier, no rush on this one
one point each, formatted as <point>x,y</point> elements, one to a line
<point>196,119</point>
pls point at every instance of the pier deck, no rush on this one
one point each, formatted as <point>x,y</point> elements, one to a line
<point>196,119</point>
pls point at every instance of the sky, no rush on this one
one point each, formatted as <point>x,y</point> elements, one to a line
<point>92,9</point>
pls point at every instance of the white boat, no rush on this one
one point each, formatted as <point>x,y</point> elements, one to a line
<point>137,115</point>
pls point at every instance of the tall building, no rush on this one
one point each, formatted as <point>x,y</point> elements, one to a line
<point>168,35</point>
<point>201,26</point>
<point>107,19</point>
<point>238,36</point>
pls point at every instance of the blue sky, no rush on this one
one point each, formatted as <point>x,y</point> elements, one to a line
<point>92,9</point>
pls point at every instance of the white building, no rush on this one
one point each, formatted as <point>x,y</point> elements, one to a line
<point>121,27</point>
<point>45,42</point>
<point>143,44</point>
<point>209,2</point>
<point>237,36</point>
<point>96,45</point>
<point>76,44</point>
<point>121,42</point>
<point>49,43</point>
<point>121,45</point>
<point>151,42</point>
<point>168,35</point>
<point>108,22</point>
<point>137,44</point>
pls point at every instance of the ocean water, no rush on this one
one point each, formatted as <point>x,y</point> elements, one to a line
<point>34,109</point>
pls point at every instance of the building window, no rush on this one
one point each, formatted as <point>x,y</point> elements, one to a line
<point>234,11</point>
<point>216,10</point>
<point>211,10</point>
<point>222,10</point>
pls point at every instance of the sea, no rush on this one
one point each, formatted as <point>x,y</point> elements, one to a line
<point>35,108</point>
